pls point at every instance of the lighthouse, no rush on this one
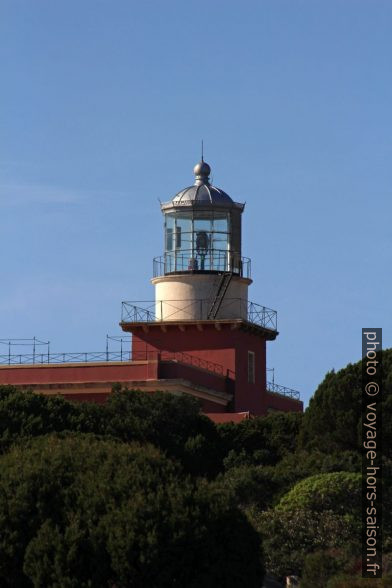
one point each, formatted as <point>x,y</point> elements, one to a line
<point>201,334</point>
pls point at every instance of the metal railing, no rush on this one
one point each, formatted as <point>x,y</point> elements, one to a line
<point>275,388</point>
<point>168,310</point>
<point>49,358</point>
<point>188,260</point>
<point>198,362</point>
<point>127,356</point>
<point>115,356</point>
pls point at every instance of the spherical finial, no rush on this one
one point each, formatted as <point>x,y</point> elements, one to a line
<point>202,172</point>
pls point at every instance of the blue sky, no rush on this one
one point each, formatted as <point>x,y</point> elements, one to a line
<point>103,107</point>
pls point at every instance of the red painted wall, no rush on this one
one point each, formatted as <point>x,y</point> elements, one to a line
<point>99,398</point>
<point>277,402</point>
<point>198,376</point>
<point>250,397</point>
<point>227,347</point>
<point>59,374</point>
<point>209,344</point>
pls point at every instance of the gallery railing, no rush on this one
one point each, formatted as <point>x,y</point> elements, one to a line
<point>188,260</point>
<point>168,310</point>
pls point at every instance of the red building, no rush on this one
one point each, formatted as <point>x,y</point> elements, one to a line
<point>200,335</point>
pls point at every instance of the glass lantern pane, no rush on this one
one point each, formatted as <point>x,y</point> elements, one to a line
<point>169,239</point>
<point>202,224</point>
<point>169,219</point>
<point>220,241</point>
<point>169,225</point>
<point>184,220</point>
<point>184,231</point>
<point>220,222</point>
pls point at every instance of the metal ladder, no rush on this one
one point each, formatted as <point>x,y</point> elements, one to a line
<point>219,295</point>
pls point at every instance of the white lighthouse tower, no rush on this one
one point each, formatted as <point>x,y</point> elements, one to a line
<point>202,274</point>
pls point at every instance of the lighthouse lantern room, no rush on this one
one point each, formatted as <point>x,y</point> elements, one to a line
<point>202,274</point>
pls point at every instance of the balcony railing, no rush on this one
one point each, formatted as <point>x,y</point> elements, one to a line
<point>187,260</point>
<point>170,310</point>
<point>275,388</point>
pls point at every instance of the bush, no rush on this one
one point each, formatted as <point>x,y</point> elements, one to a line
<point>78,512</point>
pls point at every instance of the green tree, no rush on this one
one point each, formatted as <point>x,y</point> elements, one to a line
<point>290,535</point>
<point>260,441</point>
<point>25,414</point>
<point>172,423</point>
<point>347,581</point>
<point>332,421</point>
<point>80,512</point>
<point>339,492</point>
<point>319,513</point>
<point>250,485</point>
<point>319,567</point>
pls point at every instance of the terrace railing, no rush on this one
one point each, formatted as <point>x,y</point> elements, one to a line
<point>277,389</point>
<point>126,356</point>
<point>115,356</point>
<point>48,358</point>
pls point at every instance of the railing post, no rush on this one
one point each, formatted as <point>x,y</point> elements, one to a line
<point>107,348</point>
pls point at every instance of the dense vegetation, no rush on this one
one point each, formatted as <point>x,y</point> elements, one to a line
<point>145,491</point>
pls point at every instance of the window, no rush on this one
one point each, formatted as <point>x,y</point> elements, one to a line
<point>251,367</point>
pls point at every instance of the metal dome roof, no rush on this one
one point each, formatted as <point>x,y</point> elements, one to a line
<point>202,193</point>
